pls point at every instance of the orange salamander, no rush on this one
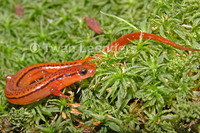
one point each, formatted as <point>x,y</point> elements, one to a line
<point>56,76</point>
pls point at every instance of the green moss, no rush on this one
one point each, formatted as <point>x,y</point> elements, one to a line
<point>145,87</point>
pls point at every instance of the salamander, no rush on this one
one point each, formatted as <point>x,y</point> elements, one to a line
<point>56,76</point>
<point>51,84</point>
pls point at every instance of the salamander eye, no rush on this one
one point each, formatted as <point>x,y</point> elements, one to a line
<point>83,71</point>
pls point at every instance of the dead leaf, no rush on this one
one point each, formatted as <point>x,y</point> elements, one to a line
<point>75,105</point>
<point>93,24</point>
<point>75,111</point>
<point>19,10</point>
<point>63,115</point>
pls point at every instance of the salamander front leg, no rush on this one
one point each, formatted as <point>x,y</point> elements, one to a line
<point>57,92</point>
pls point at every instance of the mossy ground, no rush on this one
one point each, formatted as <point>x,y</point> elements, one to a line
<point>146,87</point>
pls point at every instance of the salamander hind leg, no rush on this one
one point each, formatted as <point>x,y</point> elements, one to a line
<point>8,77</point>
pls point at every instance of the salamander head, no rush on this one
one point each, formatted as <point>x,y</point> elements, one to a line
<point>86,70</point>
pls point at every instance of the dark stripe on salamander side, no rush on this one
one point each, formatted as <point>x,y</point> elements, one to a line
<point>37,68</point>
<point>71,74</point>
<point>27,72</point>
